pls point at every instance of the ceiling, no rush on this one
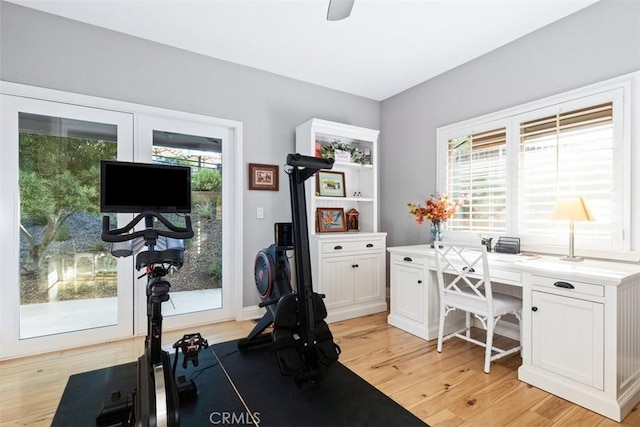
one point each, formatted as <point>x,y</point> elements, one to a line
<point>383,48</point>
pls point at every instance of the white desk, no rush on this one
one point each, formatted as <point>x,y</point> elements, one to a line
<point>582,343</point>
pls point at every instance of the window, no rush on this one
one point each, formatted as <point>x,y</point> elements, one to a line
<point>477,173</point>
<point>512,167</point>
<point>564,155</point>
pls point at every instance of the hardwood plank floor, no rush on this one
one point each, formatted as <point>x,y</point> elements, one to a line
<point>443,389</point>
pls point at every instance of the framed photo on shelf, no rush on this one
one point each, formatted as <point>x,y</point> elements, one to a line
<point>330,184</point>
<point>330,220</point>
<point>263,177</point>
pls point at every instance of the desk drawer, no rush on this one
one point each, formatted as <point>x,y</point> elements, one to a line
<point>412,260</point>
<point>506,276</point>
<point>351,246</point>
<point>496,274</point>
<point>567,285</point>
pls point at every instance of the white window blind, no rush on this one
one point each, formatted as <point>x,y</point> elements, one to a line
<point>563,155</point>
<point>477,172</point>
<point>512,166</point>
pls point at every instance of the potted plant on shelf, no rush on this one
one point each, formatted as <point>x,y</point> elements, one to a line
<point>340,151</point>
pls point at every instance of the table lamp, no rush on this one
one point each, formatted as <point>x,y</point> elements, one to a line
<point>572,209</point>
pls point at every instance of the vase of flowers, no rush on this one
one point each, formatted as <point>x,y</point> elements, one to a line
<point>436,232</point>
<point>438,209</point>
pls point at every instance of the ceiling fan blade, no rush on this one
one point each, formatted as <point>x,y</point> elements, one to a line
<point>339,9</point>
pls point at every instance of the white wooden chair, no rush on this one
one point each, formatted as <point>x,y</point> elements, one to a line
<point>464,284</point>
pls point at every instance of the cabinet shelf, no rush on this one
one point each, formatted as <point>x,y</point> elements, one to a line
<point>351,165</point>
<point>345,199</point>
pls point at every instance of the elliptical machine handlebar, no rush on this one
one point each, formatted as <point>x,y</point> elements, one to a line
<point>123,234</point>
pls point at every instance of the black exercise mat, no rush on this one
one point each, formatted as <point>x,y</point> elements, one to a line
<point>341,399</point>
<point>85,393</point>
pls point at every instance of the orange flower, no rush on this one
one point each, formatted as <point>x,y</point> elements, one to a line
<point>438,208</point>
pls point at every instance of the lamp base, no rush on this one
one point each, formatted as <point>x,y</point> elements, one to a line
<point>571,258</point>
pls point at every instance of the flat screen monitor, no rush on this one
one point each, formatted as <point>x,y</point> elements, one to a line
<point>127,187</point>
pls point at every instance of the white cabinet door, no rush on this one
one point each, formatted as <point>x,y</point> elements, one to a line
<point>367,284</point>
<point>408,292</point>
<point>337,281</point>
<point>568,337</point>
<point>351,279</point>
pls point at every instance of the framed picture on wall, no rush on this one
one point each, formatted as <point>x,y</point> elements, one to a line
<point>330,220</point>
<point>330,184</point>
<point>263,177</point>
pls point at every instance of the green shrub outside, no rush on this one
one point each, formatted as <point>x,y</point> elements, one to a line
<point>207,180</point>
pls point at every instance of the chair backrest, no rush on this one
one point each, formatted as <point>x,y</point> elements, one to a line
<point>463,274</point>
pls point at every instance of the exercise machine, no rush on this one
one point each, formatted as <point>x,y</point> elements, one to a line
<point>156,399</point>
<point>302,340</point>
<point>159,247</point>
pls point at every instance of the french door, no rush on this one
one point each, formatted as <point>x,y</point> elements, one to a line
<point>61,286</point>
<point>60,283</point>
<point>198,291</point>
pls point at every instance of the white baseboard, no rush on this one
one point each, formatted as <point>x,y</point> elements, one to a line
<point>251,312</point>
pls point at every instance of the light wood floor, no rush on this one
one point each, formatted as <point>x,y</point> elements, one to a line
<point>443,389</point>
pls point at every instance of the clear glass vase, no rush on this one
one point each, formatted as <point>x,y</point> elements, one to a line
<point>437,232</point>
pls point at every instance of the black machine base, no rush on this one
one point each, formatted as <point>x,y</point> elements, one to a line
<point>120,410</point>
<point>116,411</point>
<point>254,341</point>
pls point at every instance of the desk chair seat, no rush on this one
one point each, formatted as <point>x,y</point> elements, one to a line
<point>464,284</point>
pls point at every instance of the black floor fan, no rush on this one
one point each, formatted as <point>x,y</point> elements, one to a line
<point>301,338</point>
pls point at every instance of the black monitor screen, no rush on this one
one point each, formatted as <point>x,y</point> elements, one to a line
<point>135,187</point>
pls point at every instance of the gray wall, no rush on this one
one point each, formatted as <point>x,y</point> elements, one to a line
<point>594,44</point>
<point>45,50</point>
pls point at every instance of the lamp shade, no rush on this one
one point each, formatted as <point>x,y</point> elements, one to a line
<point>572,209</point>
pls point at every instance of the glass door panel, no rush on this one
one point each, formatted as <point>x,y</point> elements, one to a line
<point>68,280</point>
<point>197,286</point>
<point>198,291</point>
<point>64,282</point>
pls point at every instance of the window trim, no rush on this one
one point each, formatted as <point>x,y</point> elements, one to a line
<point>625,90</point>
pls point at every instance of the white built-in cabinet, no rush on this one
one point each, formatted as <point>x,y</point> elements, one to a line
<point>567,337</point>
<point>348,266</point>
<point>580,330</point>
<point>409,309</point>
<point>584,341</point>
<point>414,296</point>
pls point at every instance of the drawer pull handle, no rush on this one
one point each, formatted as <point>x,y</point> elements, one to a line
<point>355,265</point>
<point>369,245</point>
<point>468,269</point>
<point>408,259</point>
<point>337,248</point>
<point>419,282</point>
<point>563,285</point>
<point>534,308</point>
